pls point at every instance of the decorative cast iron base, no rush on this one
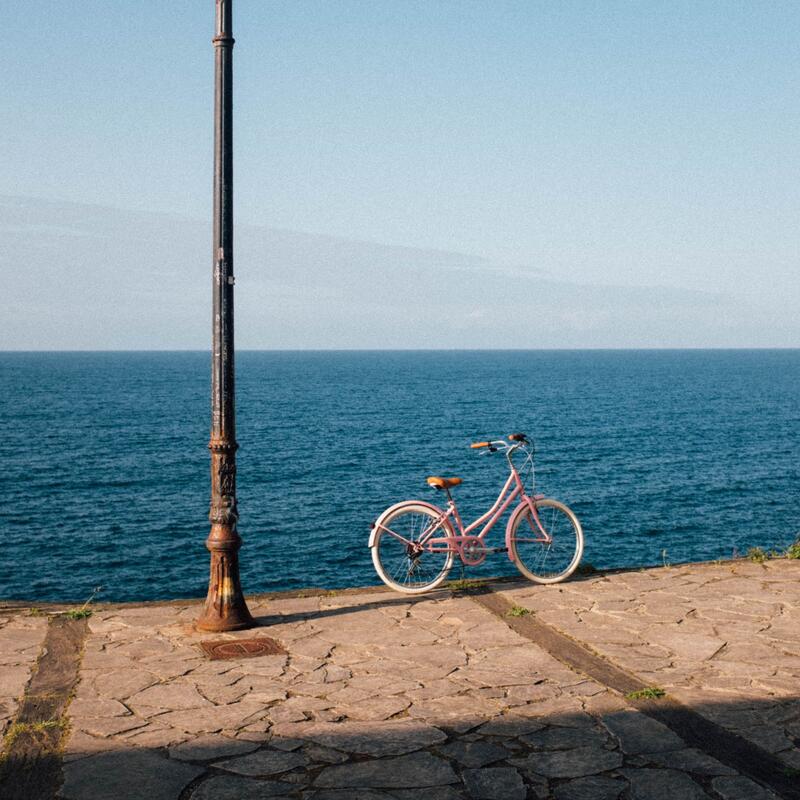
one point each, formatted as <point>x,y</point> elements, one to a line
<point>225,608</point>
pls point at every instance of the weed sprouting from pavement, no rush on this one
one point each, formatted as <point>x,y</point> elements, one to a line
<point>648,693</point>
<point>467,585</point>
<point>84,611</point>
<point>78,613</point>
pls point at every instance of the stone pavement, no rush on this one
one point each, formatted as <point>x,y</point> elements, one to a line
<point>381,696</point>
<point>723,638</point>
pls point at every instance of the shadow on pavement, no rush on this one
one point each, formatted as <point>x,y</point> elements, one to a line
<point>620,753</point>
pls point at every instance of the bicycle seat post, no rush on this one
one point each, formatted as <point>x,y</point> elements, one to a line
<point>450,502</point>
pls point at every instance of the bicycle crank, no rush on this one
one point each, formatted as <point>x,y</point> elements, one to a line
<point>473,551</point>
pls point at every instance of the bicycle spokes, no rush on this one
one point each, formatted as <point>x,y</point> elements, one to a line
<point>406,556</point>
<point>555,552</point>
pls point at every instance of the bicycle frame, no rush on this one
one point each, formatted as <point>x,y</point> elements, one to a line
<point>456,542</point>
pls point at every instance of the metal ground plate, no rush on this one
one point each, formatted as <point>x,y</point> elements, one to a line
<point>242,648</point>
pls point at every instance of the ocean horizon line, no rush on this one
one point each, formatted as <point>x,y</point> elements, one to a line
<point>418,350</point>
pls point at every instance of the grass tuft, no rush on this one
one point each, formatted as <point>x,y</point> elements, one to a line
<point>83,612</point>
<point>517,611</point>
<point>648,693</point>
<point>757,555</point>
<point>586,568</point>
<point>39,727</point>
<point>466,585</point>
<point>19,728</point>
<point>78,613</point>
<point>793,551</point>
<point>36,612</point>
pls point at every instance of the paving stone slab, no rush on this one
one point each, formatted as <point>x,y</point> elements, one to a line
<point>208,748</point>
<point>171,696</point>
<point>689,760</point>
<point>129,774</point>
<point>375,708</point>
<point>264,763</point>
<point>562,738</point>
<point>416,770</point>
<point>230,787</point>
<point>494,783</point>
<point>97,707</point>
<point>594,787</point>
<point>431,793</point>
<point>215,718</point>
<point>771,738</point>
<point>459,713</point>
<point>474,754</point>
<point>740,788</point>
<point>432,661</point>
<point>13,680</point>
<point>348,794</point>
<point>80,745</point>
<point>155,736</point>
<point>393,737</point>
<point>638,733</point>
<point>662,784</point>
<point>564,710</point>
<point>122,683</point>
<point>107,726</point>
<point>511,725</point>
<point>324,755</point>
<point>573,763</point>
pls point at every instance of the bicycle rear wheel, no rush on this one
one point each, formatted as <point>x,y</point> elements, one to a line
<point>540,560</point>
<point>399,565</point>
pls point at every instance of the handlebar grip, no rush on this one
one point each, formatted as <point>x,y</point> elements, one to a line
<point>476,445</point>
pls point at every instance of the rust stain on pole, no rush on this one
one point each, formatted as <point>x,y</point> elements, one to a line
<point>225,608</point>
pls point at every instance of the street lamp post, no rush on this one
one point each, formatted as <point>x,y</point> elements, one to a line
<point>225,608</point>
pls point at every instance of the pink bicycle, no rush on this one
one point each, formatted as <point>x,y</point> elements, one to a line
<point>414,543</point>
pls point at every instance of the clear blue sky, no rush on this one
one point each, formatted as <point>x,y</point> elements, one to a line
<point>620,144</point>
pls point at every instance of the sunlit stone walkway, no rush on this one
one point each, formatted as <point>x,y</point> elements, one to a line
<point>723,638</point>
<point>435,698</point>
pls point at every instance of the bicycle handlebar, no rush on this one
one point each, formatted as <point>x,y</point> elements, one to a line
<point>496,445</point>
<point>516,438</point>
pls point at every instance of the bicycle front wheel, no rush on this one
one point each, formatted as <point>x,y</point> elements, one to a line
<point>401,566</point>
<point>551,558</point>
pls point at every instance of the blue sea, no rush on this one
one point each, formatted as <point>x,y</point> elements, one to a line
<point>104,470</point>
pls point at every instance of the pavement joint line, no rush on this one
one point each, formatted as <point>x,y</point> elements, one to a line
<point>189,789</point>
<point>695,729</point>
<point>30,765</point>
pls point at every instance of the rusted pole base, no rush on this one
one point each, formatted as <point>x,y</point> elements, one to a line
<point>225,608</point>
